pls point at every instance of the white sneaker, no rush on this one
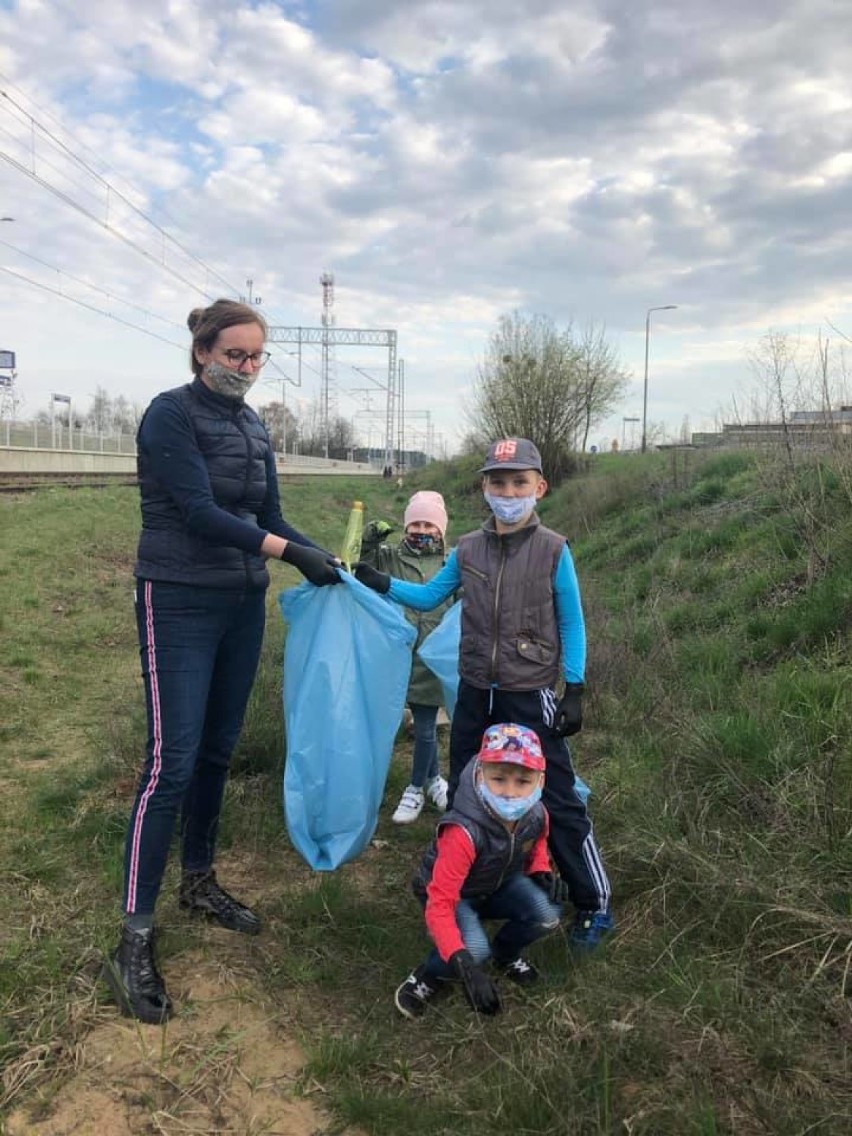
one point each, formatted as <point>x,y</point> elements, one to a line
<point>410,806</point>
<point>436,791</point>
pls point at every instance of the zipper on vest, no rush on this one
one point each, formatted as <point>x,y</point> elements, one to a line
<point>509,860</point>
<point>495,612</point>
<point>246,480</point>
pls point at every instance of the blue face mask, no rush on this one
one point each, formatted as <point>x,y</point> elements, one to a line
<point>507,808</point>
<point>510,510</point>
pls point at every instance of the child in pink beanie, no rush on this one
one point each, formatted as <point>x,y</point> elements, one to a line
<point>417,557</point>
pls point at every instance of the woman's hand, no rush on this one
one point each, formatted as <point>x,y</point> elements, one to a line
<point>318,567</point>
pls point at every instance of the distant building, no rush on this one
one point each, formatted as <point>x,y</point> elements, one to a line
<point>804,429</point>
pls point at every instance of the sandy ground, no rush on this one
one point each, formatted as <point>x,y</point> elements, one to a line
<point>226,1063</point>
<point>220,1066</point>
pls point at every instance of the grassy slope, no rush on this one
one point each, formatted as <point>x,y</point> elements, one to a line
<point>717,745</point>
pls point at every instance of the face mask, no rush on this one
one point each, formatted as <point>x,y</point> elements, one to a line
<point>507,808</point>
<point>510,510</point>
<point>232,384</point>
<point>422,542</point>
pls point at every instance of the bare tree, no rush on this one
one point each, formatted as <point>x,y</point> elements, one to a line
<point>602,381</point>
<point>273,419</point>
<point>548,385</point>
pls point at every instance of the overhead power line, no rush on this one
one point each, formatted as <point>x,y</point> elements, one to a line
<point>90,307</point>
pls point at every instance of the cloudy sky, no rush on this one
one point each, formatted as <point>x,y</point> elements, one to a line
<point>447,160</point>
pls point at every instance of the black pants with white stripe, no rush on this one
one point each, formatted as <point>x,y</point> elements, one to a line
<point>572,842</point>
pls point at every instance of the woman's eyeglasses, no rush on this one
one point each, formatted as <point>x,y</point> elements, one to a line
<point>238,358</point>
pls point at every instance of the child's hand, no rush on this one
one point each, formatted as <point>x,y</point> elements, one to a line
<point>481,991</point>
<point>372,577</point>
<point>382,528</point>
<point>552,884</point>
<point>569,713</point>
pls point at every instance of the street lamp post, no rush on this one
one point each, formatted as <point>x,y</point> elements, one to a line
<point>662,308</point>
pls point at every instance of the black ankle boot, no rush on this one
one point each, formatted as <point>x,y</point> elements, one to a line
<point>134,981</point>
<point>201,895</point>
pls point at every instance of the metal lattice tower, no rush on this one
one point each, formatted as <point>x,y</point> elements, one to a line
<point>351,337</point>
<point>328,397</point>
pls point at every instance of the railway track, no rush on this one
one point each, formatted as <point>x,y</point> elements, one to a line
<point>13,481</point>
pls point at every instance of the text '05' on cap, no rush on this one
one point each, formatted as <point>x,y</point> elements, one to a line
<point>512,453</point>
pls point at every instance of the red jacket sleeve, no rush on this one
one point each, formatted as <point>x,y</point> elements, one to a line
<point>453,862</point>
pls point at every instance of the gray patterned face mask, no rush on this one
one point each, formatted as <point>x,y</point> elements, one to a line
<point>232,384</point>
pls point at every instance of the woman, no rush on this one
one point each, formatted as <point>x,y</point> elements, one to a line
<point>211,517</point>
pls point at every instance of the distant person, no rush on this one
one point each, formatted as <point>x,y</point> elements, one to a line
<point>521,617</point>
<point>489,860</point>
<point>417,557</point>
<point>211,518</point>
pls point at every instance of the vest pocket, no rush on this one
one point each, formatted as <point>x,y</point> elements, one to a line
<point>475,572</point>
<point>535,650</point>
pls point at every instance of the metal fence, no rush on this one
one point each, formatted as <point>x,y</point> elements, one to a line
<point>55,436</point>
<point>47,436</point>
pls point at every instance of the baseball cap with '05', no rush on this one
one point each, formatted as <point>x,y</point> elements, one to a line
<point>512,453</point>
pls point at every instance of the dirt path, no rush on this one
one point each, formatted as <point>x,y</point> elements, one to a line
<point>223,1065</point>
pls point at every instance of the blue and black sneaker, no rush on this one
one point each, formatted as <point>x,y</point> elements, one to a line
<point>590,929</point>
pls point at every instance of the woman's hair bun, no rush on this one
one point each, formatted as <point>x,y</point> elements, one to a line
<point>194,318</point>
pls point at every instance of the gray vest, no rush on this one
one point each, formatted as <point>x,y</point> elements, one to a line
<point>499,852</point>
<point>509,634</point>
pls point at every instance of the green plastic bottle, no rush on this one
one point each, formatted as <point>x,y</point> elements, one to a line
<point>350,553</point>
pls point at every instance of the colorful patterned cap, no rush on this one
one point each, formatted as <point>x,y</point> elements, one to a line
<point>516,744</point>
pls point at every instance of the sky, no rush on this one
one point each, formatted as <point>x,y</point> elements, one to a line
<point>449,161</point>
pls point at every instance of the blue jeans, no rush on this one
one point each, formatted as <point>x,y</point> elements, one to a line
<point>425,761</point>
<point>199,648</point>
<point>527,913</point>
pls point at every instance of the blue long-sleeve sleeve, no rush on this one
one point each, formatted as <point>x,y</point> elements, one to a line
<point>178,464</point>
<point>423,597</point>
<point>569,618</point>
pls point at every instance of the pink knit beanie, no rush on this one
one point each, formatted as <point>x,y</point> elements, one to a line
<point>427,506</point>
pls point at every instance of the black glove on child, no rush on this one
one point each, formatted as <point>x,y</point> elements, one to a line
<point>569,713</point>
<point>552,884</point>
<point>317,566</point>
<point>481,991</point>
<point>371,577</point>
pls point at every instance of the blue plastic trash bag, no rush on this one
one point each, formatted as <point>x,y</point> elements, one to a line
<point>440,652</point>
<point>347,662</point>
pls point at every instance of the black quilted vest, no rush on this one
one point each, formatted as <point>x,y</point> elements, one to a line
<point>233,442</point>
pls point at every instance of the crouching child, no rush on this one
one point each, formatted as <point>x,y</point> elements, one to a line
<point>488,861</point>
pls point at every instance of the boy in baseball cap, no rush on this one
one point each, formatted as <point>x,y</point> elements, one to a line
<point>522,631</point>
<point>488,860</point>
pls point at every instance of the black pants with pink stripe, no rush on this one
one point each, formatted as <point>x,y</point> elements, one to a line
<point>572,842</point>
<point>199,648</point>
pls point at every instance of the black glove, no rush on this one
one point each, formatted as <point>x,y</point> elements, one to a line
<point>379,529</point>
<point>569,712</point>
<point>372,577</point>
<point>315,565</point>
<point>481,992</point>
<point>552,884</point>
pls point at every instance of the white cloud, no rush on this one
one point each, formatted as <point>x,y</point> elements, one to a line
<point>447,161</point>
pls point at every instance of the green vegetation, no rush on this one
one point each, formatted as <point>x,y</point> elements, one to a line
<point>718,598</point>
